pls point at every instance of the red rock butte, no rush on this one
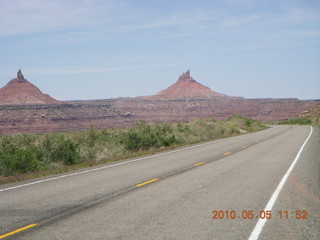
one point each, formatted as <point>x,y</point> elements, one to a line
<point>187,87</point>
<point>19,91</point>
<point>35,112</point>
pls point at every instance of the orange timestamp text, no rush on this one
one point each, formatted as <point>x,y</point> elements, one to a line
<point>263,214</point>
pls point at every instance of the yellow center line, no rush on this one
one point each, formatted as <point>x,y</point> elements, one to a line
<point>198,164</point>
<point>244,146</point>
<point>18,230</point>
<point>144,183</point>
<point>227,153</point>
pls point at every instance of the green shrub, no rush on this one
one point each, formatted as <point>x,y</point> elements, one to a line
<point>25,153</point>
<point>183,128</point>
<point>92,137</point>
<point>234,129</point>
<point>296,121</point>
<point>143,136</point>
<point>66,152</point>
<point>24,140</point>
<point>15,160</point>
<point>48,146</point>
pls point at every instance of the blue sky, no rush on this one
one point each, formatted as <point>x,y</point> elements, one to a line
<point>98,49</point>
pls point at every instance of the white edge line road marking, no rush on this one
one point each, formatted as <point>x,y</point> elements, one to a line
<point>117,164</point>
<point>259,226</point>
<point>109,166</point>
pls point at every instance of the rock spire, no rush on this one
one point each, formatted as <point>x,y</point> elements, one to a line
<point>19,91</point>
<point>186,86</point>
<point>20,75</point>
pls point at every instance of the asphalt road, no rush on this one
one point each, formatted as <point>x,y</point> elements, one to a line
<point>178,194</point>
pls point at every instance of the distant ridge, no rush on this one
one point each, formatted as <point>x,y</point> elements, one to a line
<point>183,101</point>
<point>186,86</point>
<point>19,91</point>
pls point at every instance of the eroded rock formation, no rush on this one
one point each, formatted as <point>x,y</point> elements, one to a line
<point>187,87</point>
<point>19,91</point>
<point>31,111</point>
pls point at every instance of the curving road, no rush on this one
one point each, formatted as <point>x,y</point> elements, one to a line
<point>223,189</point>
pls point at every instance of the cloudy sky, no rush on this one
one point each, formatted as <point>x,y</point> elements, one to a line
<point>98,49</point>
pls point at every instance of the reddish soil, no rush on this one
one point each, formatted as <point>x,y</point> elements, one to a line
<point>24,109</point>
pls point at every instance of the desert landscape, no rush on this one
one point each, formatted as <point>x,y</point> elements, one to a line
<point>25,109</point>
<point>183,120</point>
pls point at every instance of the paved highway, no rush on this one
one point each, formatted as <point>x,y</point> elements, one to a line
<point>223,189</point>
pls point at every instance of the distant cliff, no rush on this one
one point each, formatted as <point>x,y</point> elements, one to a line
<point>24,109</point>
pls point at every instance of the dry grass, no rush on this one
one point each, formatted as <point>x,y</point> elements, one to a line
<point>108,145</point>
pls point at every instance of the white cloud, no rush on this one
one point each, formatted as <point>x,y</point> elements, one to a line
<point>35,16</point>
<point>77,21</point>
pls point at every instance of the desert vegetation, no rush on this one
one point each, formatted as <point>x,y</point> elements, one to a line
<point>296,121</point>
<point>56,152</point>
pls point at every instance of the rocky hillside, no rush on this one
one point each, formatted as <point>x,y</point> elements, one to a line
<point>313,114</point>
<point>19,91</point>
<point>186,86</point>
